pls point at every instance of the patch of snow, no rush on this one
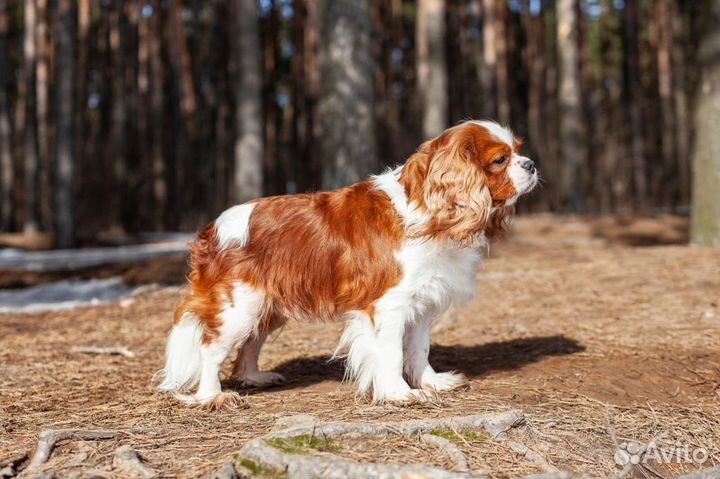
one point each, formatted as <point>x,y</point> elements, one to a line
<point>69,259</point>
<point>63,295</point>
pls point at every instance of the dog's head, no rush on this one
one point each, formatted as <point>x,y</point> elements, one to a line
<point>467,180</point>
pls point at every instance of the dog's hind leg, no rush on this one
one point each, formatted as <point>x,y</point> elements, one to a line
<point>236,324</point>
<point>245,369</point>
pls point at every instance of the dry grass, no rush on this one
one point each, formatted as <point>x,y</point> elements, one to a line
<point>592,339</point>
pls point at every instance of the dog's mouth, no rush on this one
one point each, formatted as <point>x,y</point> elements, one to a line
<point>531,183</point>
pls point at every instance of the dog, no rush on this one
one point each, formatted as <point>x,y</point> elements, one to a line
<point>387,255</point>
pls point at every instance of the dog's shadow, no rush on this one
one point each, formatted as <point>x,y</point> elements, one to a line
<point>473,361</point>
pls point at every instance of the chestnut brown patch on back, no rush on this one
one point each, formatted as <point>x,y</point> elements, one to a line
<point>313,256</point>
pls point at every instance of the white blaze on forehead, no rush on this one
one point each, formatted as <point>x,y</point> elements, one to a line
<point>498,131</point>
<point>233,225</point>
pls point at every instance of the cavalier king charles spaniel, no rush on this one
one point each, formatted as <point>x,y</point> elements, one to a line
<point>387,255</point>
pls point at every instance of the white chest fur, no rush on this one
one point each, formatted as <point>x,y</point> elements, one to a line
<point>435,275</point>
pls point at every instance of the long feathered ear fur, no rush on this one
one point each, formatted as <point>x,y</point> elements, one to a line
<point>499,222</point>
<point>443,179</point>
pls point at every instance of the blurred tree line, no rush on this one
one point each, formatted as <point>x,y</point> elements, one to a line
<point>142,115</point>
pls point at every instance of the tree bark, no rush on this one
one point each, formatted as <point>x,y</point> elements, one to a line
<point>571,131</point>
<point>431,66</point>
<point>247,89</point>
<point>7,170</point>
<point>64,152</point>
<point>346,106</point>
<point>705,222</point>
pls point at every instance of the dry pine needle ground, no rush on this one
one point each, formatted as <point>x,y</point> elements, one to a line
<point>598,342</point>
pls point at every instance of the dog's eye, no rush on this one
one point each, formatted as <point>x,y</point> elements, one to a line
<point>500,160</point>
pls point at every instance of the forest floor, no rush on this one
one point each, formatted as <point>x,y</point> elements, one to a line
<point>602,331</point>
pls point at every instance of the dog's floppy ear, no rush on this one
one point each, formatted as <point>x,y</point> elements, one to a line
<point>455,189</point>
<point>499,221</point>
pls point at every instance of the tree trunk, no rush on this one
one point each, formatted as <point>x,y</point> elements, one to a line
<point>181,62</point>
<point>185,130</point>
<point>27,116</point>
<point>633,99</point>
<point>160,192</point>
<point>665,175</point>
<point>7,170</point>
<point>347,96</point>
<point>304,84</point>
<point>705,228</point>
<point>571,134</point>
<point>431,66</point>
<point>64,152</point>
<point>118,135</point>
<point>273,172</point>
<point>501,56</point>
<point>247,89</point>
<point>489,59</point>
<point>681,65</point>
<point>42,89</point>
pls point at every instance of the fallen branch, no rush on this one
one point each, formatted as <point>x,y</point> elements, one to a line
<point>128,461</point>
<point>118,350</point>
<point>450,450</point>
<point>49,439</point>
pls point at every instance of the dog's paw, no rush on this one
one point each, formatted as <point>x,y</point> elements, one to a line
<point>223,400</point>
<point>406,396</point>
<point>443,381</point>
<point>261,379</point>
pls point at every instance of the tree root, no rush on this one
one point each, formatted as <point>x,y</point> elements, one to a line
<point>260,454</point>
<point>49,439</point>
<point>450,450</point>
<point>128,461</point>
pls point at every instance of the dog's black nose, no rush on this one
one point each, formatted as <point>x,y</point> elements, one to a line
<point>529,165</point>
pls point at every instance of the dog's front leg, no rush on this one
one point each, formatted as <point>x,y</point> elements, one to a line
<point>388,382</point>
<point>416,346</point>
<point>375,356</point>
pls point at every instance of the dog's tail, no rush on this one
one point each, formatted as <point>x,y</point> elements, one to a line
<point>183,361</point>
<point>183,358</point>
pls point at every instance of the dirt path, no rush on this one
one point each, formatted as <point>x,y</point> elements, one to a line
<point>592,340</point>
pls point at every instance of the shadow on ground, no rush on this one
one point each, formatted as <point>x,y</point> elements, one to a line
<point>473,361</point>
